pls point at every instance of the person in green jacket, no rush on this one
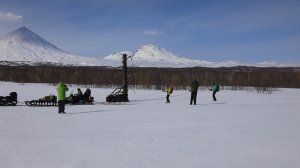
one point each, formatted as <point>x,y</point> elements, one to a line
<point>214,88</point>
<point>61,95</point>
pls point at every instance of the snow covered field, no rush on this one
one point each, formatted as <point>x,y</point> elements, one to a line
<point>242,130</point>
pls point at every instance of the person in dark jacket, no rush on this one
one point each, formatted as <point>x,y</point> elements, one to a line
<point>79,94</point>
<point>61,95</point>
<point>214,88</point>
<point>194,89</point>
<point>87,94</point>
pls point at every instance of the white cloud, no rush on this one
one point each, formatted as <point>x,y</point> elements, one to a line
<point>151,32</point>
<point>9,17</point>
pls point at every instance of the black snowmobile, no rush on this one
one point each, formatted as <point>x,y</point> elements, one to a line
<point>78,100</point>
<point>50,100</point>
<point>10,100</point>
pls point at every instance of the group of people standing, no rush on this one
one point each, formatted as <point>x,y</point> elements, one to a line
<point>193,89</point>
<point>62,89</point>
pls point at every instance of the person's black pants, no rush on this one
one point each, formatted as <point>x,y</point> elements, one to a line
<point>168,100</point>
<point>61,106</point>
<point>193,98</point>
<point>214,96</point>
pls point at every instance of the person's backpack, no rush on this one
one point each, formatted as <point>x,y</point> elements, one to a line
<point>217,88</point>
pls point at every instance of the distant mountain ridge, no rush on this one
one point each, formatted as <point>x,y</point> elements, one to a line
<point>24,47</point>
<point>151,55</point>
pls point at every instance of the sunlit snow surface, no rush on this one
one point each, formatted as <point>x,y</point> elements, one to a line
<point>242,130</point>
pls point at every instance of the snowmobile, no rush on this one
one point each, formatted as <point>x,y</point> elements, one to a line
<point>118,95</point>
<point>78,100</point>
<point>50,100</point>
<point>10,100</point>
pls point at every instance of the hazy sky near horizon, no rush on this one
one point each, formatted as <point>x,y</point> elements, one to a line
<point>219,30</point>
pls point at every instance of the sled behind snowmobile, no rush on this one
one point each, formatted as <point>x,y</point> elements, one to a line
<point>50,100</point>
<point>10,100</point>
<point>40,103</point>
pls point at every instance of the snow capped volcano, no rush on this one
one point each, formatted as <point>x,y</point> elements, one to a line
<point>154,53</point>
<point>153,56</point>
<point>24,36</point>
<point>24,45</point>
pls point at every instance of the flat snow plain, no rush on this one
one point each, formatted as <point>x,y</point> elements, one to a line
<point>242,130</point>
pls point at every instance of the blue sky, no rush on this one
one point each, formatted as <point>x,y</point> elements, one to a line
<point>212,30</point>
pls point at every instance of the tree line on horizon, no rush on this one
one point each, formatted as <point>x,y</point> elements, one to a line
<point>154,78</point>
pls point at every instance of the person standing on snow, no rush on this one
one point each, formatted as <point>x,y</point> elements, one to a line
<point>61,95</point>
<point>214,88</point>
<point>194,89</point>
<point>169,91</point>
